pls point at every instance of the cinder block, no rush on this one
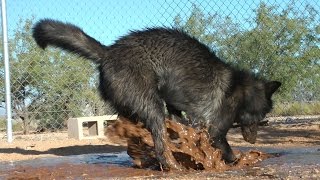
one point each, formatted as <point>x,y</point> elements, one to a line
<point>95,125</point>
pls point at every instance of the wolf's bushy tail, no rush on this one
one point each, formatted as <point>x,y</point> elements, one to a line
<point>68,37</point>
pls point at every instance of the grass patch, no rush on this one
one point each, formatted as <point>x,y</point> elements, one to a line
<point>16,126</point>
<point>296,108</point>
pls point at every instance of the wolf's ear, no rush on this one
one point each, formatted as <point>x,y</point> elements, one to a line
<point>271,87</point>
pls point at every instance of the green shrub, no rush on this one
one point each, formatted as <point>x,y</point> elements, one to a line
<point>2,124</point>
<point>296,108</point>
<point>16,126</point>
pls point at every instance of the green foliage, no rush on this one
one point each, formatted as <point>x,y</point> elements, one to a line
<point>48,86</point>
<point>210,29</point>
<point>280,45</point>
<point>296,108</point>
<point>16,126</point>
<point>2,125</point>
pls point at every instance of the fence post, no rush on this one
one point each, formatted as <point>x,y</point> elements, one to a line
<point>6,70</point>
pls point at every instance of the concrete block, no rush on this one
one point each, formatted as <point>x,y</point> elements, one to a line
<point>95,126</point>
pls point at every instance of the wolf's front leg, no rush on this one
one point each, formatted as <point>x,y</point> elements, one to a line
<point>218,140</point>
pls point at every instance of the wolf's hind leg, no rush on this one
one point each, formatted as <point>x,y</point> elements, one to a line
<point>140,96</point>
<point>153,115</point>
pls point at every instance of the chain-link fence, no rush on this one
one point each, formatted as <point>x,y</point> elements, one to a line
<point>278,40</point>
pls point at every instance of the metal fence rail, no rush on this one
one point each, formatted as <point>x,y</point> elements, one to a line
<point>275,39</point>
<point>6,70</point>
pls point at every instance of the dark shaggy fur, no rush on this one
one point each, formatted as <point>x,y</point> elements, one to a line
<point>145,68</point>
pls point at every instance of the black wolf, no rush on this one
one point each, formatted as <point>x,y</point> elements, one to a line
<point>144,69</point>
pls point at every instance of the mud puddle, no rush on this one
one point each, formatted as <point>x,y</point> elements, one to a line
<point>116,159</point>
<point>290,162</point>
<point>85,166</point>
<point>190,148</point>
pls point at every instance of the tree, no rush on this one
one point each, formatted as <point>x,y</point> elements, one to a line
<point>48,86</point>
<point>210,29</point>
<point>281,45</point>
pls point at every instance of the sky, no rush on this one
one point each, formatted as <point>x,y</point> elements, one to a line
<point>107,20</point>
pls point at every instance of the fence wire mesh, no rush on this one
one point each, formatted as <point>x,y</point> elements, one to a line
<point>274,38</point>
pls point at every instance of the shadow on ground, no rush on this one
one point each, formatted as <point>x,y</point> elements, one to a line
<point>67,151</point>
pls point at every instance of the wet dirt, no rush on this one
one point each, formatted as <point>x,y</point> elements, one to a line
<point>79,166</point>
<point>190,148</point>
<point>295,148</point>
<point>290,163</point>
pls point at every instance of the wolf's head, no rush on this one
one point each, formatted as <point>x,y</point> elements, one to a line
<point>256,104</point>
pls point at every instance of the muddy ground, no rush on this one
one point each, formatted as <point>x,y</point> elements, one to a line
<point>295,144</point>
